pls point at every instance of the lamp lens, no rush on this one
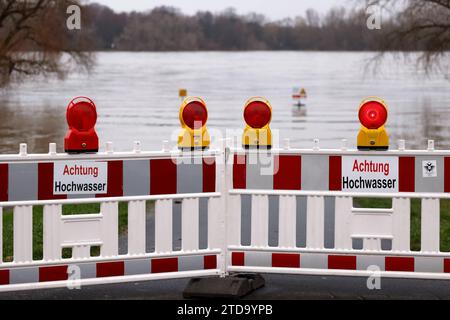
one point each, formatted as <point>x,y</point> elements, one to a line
<point>82,116</point>
<point>195,115</point>
<point>257,114</point>
<point>373,115</point>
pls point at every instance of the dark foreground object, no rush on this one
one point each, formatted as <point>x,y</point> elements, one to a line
<point>233,287</point>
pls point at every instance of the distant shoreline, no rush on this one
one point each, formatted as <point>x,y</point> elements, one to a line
<point>253,51</point>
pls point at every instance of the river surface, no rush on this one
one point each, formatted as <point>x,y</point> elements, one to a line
<point>137,98</point>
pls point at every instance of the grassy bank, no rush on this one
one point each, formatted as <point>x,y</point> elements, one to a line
<point>123,224</point>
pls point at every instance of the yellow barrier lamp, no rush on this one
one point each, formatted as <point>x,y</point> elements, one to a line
<point>257,115</point>
<point>193,117</point>
<point>373,115</point>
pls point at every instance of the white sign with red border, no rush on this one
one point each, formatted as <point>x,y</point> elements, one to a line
<point>370,174</point>
<point>80,177</point>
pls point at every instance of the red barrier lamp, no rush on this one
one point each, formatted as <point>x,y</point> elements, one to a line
<point>257,115</point>
<point>373,115</point>
<point>81,118</point>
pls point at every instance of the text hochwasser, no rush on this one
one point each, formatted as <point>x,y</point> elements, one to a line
<point>381,180</point>
<point>79,187</point>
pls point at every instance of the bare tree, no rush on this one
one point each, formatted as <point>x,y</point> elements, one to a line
<point>34,40</point>
<point>422,26</point>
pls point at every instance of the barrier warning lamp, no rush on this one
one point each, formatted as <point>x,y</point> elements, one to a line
<point>257,115</point>
<point>373,115</point>
<point>193,117</point>
<point>81,118</point>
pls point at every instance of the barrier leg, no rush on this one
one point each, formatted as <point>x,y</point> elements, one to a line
<point>226,230</point>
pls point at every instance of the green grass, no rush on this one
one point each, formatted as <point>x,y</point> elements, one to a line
<point>8,227</point>
<point>445,226</point>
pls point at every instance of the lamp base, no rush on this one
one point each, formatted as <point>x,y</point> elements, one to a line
<point>377,148</point>
<point>247,147</point>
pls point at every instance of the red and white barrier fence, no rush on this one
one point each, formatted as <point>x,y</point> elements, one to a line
<point>169,179</point>
<point>293,211</point>
<point>280,211</point>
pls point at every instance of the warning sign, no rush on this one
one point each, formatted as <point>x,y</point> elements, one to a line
<point>80,177</point>
<point>370,174</point>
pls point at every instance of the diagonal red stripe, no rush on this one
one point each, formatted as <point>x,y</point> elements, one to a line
<point>110,269</point>
<point>4,277</point>
<point>288,175</point>
<point>447,175</point>
<point>115,180</point>
<point>282,260</point>
<point>165,265</point>
<point>210,262</point>
<point>163,177</point>
<point>335,182</point>
<point>240,172</point>
<point>209,174</point>
<point>3,182</point>
<point>45,182</point>
<point>447,265</point>
<point>407,174</point>
<point>238,259</point>
<point>342,262</point>
<point>405,264</point>
<point>56,273</point>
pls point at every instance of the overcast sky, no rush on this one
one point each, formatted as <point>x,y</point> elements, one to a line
<point>274,9</point>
